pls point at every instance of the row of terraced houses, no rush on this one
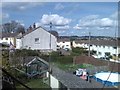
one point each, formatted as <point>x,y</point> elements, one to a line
<point>39,38</point>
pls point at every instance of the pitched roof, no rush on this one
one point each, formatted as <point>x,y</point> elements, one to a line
<point>37,59</point>
<point>9,34</point>
<point>33,29</point>
<point>63,39</point>
<point>100,42</point>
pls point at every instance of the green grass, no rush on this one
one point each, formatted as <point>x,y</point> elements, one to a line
<point>35,83</point>
<point>73,67</point>
<point>66,62</point>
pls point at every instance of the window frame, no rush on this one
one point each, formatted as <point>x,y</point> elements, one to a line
<point>37,40</point>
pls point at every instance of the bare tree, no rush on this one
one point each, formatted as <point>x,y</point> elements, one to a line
<point>12,26</point>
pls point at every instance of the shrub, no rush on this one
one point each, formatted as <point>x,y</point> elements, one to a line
<point>79,50</point>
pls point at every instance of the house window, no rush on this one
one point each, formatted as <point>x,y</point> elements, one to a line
<point>107,53</point>
<point>37,40</point>
<point>99,53</point>
<point>90,45</point>
<point>115,47</point>
<point>6,38</point>
<point>58,46</point>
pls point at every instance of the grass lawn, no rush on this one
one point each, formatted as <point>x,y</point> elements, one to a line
<point>66,62</point>
<point>73,67</point>
<point>35,83</point>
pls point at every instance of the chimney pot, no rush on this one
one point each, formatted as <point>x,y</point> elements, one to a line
<point>34,25</point>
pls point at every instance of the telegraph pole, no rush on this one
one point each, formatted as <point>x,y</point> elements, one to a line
<point>50,52</point>
<point>89,45</point>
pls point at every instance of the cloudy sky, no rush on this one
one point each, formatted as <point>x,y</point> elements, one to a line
<point>73,18</point>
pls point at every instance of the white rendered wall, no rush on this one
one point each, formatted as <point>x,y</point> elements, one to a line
<point>7,41</point>
<point>64,45</point>
<point>18,43</point>
<point>44,40</point>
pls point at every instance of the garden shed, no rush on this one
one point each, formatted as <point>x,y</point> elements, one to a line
<point>36,66</point>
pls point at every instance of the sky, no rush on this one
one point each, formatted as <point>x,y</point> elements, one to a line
<point>68,18</point>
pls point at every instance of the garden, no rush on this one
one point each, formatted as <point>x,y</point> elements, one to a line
<point>64,62</point>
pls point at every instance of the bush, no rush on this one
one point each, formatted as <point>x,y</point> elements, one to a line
<point>25,52</point>
<point>79,50</point>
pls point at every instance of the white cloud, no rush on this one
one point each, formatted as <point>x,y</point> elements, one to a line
<point>55,19</point>
<point>114,15</point>
<point>77,27</point>
<point>107,22</point>
<point>22,7</point>
<point>61,32</point>
<point>37,24</point>
<point>94,21</point>
<point>59,6</point>
<point>63,27</point>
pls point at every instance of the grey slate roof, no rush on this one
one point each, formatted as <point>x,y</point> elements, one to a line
<point>33,29</point>
<point>100,42</point>
<point>63,39</point>
<point>9,34</point>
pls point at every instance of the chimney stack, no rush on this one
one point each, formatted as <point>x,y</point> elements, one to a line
<point>30,28</point>
<point>34,25</point>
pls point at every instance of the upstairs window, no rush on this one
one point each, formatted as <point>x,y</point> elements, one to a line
<point>37,40</point>
<point>6,38</point>
<point>90,45</point>
<point>115,47</point>
<point>99,53</point>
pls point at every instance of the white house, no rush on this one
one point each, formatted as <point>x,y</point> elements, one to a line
<point>39,39</point>
<point>63,43</point>
<point>102,47</point>
<point>10,37</point>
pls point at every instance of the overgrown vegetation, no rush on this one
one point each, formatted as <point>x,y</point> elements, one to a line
<point>66,62</point>
<point>73,67</point>
<point>5,59</point>
<point>35,83</point>
<point>79,51</point>
<point>27,52</point>
<point>15,58</point>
